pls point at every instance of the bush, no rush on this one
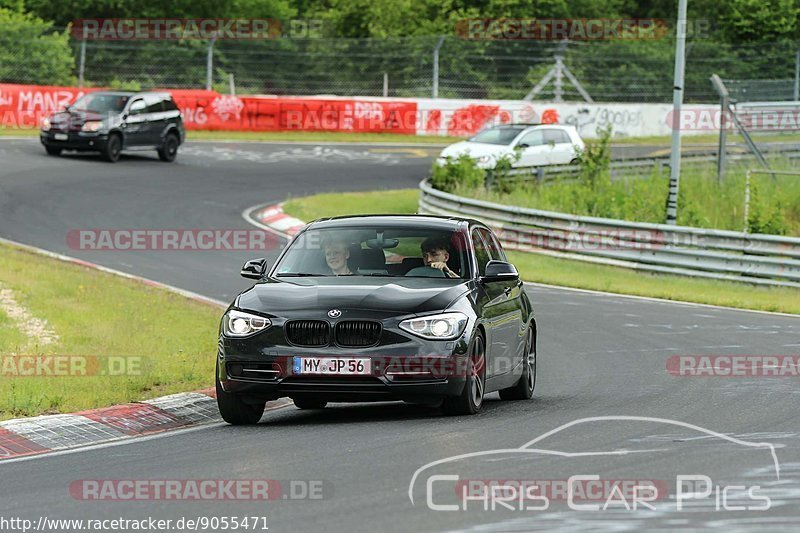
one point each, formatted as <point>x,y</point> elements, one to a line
<point>30,52</point>
<point>457,173</point>
<point>765,216</point>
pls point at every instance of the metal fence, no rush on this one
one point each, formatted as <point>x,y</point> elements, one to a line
<point>451,67</point>
<point>707,253</point>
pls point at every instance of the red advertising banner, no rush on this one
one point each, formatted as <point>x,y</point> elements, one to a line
<point>24,106</point>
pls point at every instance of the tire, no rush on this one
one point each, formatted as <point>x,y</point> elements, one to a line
<point>523,389</point>
<point>113,148</point>
<point>169,149</point>
<point>470,401</point>
<point>233,410</point>
<point>53,150</point>
<point>309,403</point>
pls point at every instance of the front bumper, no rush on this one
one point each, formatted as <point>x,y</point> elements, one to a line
<point>416,370</point>
<point>75,140</point>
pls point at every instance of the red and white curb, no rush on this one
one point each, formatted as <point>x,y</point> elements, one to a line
<point>274,218</point>
<point>49,433</point>
<point>42,434</point>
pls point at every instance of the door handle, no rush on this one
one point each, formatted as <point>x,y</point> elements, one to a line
<point>507,290</point>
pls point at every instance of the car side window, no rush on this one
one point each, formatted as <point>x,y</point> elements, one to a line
<point>533,138</point>
<point>481,252</point>
<point>170,105</point>
<point>496,252</point>
<point>155,104</point>
<point>137,107</point>
<point>555,137</point>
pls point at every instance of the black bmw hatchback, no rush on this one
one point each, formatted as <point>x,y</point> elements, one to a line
<point>374,308</point>
<point>112,121</point>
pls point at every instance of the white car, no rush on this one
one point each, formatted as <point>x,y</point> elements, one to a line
<point>545,144</point>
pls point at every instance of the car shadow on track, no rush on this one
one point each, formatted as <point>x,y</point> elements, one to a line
<point>93,156</point>
<point>338,413</point>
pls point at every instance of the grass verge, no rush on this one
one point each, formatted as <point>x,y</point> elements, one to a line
<point>565,272</point>
<point>366,203</point>
<point>168,341</point>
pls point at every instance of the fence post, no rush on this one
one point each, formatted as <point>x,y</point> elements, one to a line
<point>439,43</point>
<point>82,64</point>
<point>724,105</point>
<point>797,76</point>
<point>385,84</point>
<point>558,84</point>
<point>747,201</point>
<point>677,102</point>
<point>210,64</point>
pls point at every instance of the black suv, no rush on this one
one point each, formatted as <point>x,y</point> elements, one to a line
<point>112,121</point>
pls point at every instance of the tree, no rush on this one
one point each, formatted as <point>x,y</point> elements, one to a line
<point>31,52</point>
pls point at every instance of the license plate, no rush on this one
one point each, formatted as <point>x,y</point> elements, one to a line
<point>331,366</point>
<point>61,136</point>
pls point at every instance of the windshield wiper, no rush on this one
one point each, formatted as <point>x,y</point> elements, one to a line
<point>298,275</point>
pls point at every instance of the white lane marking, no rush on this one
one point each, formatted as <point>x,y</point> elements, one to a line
<point>314,153</point>
<point>284,223</point>
<point>248,217</point>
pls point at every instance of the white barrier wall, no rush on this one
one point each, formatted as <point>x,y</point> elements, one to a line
<point>460,117</point>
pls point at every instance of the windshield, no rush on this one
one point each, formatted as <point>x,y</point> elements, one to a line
<point>101,103</point>
<point>500,135</point>
<point>376,251</point>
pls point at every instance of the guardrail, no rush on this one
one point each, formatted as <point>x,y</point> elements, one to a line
<point>632,167</point>
<point>707,253</point>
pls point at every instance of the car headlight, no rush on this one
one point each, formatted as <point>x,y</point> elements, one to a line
<point>483,159</point>
<point>45,124</point>
<point>240,324</point>
<point>92,125</point>
<point>440,327</point>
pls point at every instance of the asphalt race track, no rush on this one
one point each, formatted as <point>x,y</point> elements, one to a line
<point>601,358</point>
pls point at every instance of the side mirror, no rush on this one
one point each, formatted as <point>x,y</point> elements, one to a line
<point>524,145</point>
<point>500,271</point>
<point>254,269</point>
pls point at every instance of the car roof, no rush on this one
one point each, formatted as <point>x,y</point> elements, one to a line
<point>116,93</point>
<point>522,126</point>
<point>132,93</point>
<point>432,221</point>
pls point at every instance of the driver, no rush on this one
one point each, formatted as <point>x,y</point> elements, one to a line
<point>435,254</point>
